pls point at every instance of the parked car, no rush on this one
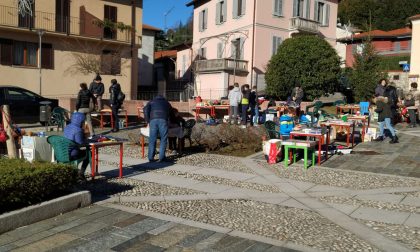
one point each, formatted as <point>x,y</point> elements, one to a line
<point>24,105</point>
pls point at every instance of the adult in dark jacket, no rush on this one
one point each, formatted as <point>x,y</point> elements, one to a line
<point>383,108</point>
<point>380,88</point>
<point>253,104</point>
<point>114,91</point>
<point>175,121</point>
<point>392,95</point>
<point>83,105</point>
<point>97,89</point>
<point>156,114</point>
<point>74,132</point>
<point>297,94</point>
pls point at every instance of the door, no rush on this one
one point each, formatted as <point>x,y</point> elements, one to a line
<point>27,20</point>
<point>23,104</point>
<point>62,16</point>
<point>110,19</point>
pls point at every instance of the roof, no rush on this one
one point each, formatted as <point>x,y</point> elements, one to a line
<point>195,2</point>
<point>165,54</point>
<point>415,17</point>
<point>402,32</point>
<point>182,46</point>
<point>151,28</point>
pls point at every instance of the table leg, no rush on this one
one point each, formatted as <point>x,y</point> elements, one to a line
<point>328,145</point>
<point>305,157</point>
<point>126,119</point>
<point>102,120</point>
<point>142,146</point>
<point>354,126</point>
<point>348,135</point>
<point>121,159</point>
<point>97,159</point>
<point>286,156</point>
<point>197,112</point>
<point>112,121</point>
<point>93,162</point>
<point>319,149</point>
<point>291,137</point>
<point>363,130</point>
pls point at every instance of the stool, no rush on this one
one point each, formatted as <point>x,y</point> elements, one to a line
<point>310,146</point>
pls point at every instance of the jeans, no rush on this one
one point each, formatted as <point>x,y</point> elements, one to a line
<point>388,126</point>
<point>244,113</point>
<point>413,118</point>
<point>234,110</point>
<point>158,126</point>
<point>255,113</point>
<point>114,115</point>
<point>86,111</point>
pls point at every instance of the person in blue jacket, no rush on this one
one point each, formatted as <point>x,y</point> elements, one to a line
<point>74,132</point>
<point>287,123</point>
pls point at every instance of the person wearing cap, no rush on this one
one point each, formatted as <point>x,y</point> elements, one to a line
<point>97,89</point>
<point>84,97</point>
<point>114,90</point>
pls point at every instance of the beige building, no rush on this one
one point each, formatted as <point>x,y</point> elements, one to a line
<point>415,49</point>
<point>79,38</point>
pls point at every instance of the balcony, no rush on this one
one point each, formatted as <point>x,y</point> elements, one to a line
<point>222,65</point>
<point>304,25</point>
<point>50,22</point>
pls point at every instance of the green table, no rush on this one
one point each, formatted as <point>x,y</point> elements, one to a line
<point>305,158</point>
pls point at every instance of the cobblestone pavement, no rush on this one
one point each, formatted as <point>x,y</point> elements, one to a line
<point>214,203</point>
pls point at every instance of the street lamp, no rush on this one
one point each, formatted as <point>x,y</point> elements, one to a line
<point>40,32</point>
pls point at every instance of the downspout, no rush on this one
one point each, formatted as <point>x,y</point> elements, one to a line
<point>253,43</point>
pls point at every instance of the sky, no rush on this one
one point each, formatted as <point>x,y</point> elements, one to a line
<point>154,10</point>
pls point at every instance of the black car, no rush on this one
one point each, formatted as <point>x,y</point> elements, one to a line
<point>24,105</point>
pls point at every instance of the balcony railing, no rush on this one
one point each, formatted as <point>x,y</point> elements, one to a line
<point>51,22</point>
<point>214,65</point>
<point>302,24</point>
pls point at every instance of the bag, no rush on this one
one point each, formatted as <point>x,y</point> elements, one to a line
<point>3,135</point>
<point>121,97</point>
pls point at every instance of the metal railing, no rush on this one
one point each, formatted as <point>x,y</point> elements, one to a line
<point>221,65</point>
<point>298,23</point>
<point>52,22</point>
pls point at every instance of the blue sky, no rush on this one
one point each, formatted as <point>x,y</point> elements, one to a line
<point>154,10</point>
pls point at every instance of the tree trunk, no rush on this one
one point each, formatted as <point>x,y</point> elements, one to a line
<point>10,143</point>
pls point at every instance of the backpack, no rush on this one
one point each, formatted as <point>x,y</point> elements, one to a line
<point>121,97</point>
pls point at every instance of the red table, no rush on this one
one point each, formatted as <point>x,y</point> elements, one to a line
<point>109,111</point>
<point>221,107</point>
<point>95,154</point>
<point>352,108</point>
<point>199,108</point>
<point>346,125</point>
<point>364,119</point>
<point>320,138</point>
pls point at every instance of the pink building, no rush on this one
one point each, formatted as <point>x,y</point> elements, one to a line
<point>234,39</point>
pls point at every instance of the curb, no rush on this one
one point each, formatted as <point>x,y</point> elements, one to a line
<point>45,210</point>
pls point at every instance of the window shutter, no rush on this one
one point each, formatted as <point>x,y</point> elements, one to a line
<point>224,10</point>
<point>274,46</point>
<point>280,7</point>
<point>276,8</point>
<point>218,12</point>
<point>6,52</point>
<point>106,62</point>
<point>308,9</point>
<point>47,57</point>
<point>219,50</point>
<point>200,21</point>
<point>295,8</point>
<point>204,52</point>
<point>233,49</point>
<point>235,8</point>
<point>205,18</point>
<point>241,47</point>
<point>327,15</point>
<point>116,64</point>
<point>243,7</point>
<point>316,7</point>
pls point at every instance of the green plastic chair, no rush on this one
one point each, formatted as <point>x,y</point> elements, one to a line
<point>315,112</point>
<point>58,117</point>
<point>62,148</point>
<point>270,128</point>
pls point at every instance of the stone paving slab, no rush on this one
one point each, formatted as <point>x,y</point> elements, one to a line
<point>411,201</point>
<point>391,198</point>
<point>393,217</point>
<point>413,220</point>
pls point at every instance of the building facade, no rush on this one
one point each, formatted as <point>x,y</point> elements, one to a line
<point>78,38</point>
<point>235,39</point>
<point>146,56</point>
<point>415,50</point>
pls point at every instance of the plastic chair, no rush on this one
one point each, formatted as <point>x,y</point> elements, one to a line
<point>364,108</point>
<point>62,148</point>
<point>188,126</point>
<point>315,111</point>
<point>270,128</point>
<point>58,117</point>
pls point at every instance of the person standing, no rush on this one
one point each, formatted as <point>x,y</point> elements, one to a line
<point>175,122</point>
<point>245,103</point>
<point>383,108</point>
<point>97,89</point>
<point>392,95</point>
<point>253,104</point>
<point>234,97</point>
<point>114,90</point>
<point>380,88</point>
<point>297,94</point>
<point>83,105</point>
<point>156,114</point>
<point>412,102</point>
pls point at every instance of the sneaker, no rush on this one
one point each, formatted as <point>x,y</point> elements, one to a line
<point>174,152</point>
<point>379,139</point>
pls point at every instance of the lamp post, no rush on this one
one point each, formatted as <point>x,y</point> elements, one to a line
<point>40,32</point>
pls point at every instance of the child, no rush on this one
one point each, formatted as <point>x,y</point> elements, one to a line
<point>383,108</point>
<point>175,120</point>
<point>287,123</point>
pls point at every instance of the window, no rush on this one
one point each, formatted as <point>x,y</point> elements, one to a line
<point>397,46</point>
<point>110,14</point>
<point>110,62</point>
<point>396,77</point>
<point>276,43</point>
<point>322,13</point>
<point>6,52</point>
<point>202,23</point>
<point>220,50</point>
<point>202,53</point>
<point>278,7</point>
<point>62,12</point>
<point>298,8</point>
<point>27,20</point>
<point>221,12</point>
<point>19,95</point>
<point>239,7</point>
<point>24,53</point>
<point>47,57</point>
<point>238,48</point>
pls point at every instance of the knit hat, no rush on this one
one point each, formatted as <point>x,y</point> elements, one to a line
<point>114,81</point>
<point>98,77</point>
